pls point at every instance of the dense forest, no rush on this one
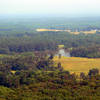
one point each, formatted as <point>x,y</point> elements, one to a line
<point>31,76</point>
<point>87,45</point>
<point>17,35</point>
<point>27,68</point>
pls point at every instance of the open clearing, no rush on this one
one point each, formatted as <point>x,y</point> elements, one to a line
<point>51,30</point>
<point>76,33</point>
<point>77,64</point>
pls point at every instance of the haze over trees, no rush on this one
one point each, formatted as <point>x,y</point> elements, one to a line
<point>27,67</point>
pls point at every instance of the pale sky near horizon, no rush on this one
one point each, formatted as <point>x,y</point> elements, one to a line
<point>67,7</point>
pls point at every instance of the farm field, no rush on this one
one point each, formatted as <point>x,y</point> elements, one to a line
<point>77,64</point>
<point>51,30</point>
<point>76,33</point>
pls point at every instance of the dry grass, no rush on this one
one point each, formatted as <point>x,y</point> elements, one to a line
<point>60,46</point>
<point>77,65</point>
<point>76,33</point>
<point>89,32</point>
<point>52,30</point>
<point>13,72</point>
<point>85,32</point>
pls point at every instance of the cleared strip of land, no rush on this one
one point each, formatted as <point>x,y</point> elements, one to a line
<point>52,30</point>
<point>76,33</point>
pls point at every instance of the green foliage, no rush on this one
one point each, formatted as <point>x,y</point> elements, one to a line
<point>35,76</point>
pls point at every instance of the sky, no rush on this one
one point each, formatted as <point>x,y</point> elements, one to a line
<point>51,7</point>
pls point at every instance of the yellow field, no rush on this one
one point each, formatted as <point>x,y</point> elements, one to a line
<point>89,32</point>
<point>13,72</point>
<point>60,46</point>
<point>52,30</point>
<point>85,32</point>
<point>77,65</point>
<point>76,33</point>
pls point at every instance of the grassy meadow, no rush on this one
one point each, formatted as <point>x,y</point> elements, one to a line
<point>77,64</point>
